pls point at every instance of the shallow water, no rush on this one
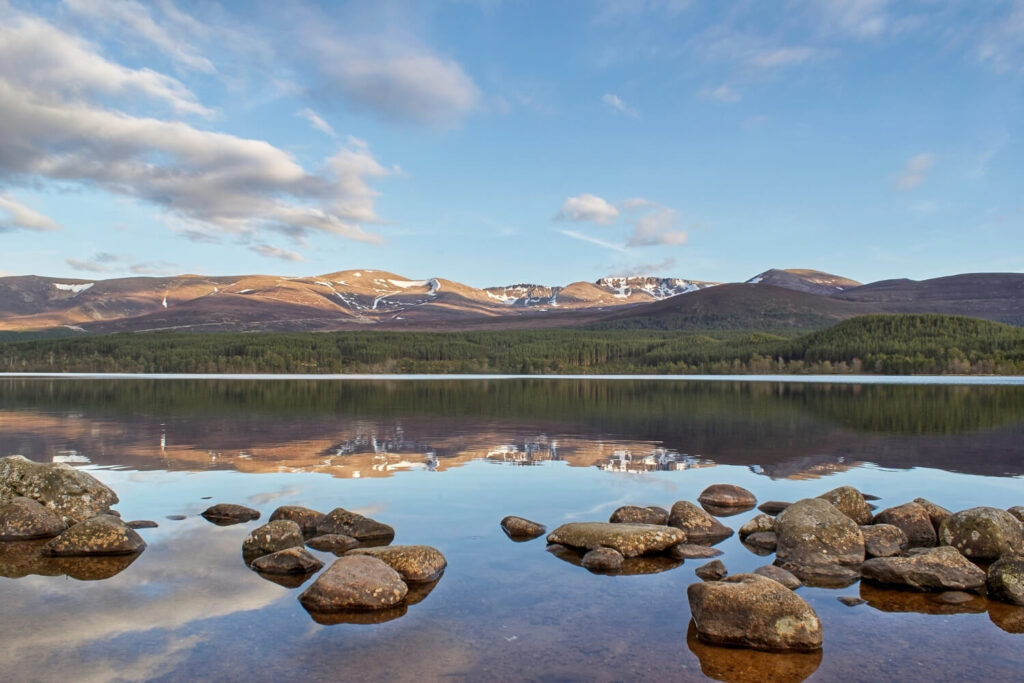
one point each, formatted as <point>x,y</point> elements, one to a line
<point>443,462</point>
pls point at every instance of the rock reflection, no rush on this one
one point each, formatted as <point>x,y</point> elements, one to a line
<point>723,511</point>
<point>736,665</point>
<point>1010,618</point>
<point>286,580</point>
<point>890,600</point>
<point>24,558</point>
<point>418,592</point>
<point>631,566</point>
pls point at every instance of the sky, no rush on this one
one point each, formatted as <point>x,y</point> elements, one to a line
<point>499,141</point>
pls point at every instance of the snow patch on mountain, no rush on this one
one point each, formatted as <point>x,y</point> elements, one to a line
<point>77,289</point>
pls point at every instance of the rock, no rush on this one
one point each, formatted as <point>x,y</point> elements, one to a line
<point>306,519</point>
<point>1017,511</point>
<point>23,519</point>
<point>756,524</point>
<point>354,582</point>
<point>338,544</point>
<point>176,518</point>
<point>341,521</point>
<point>379,616</point>
<point>688,551</point>
<point>779,574</point>
<point>1006,579</point>
<point>727,496</point>
<point>632,514</point>
<point>822,575</point>
<point>631,566</point>
<point>762,542</point>
<point>983,533</point>
<point>270,538</point>
<point>712,571</point>
<point>938,569</point>
<point>415,563</point>
<point>851,600</point>
<point>142,524</point>
<point>226,514</point>
<point>868,496</point>
<point>773,507</point>
<point>288,561</point>
<point>629,539</point>
<point>603,560</point>
<point>74,495</point>
<point>748,610</point>
<point>521,528</point>
<point>112,513</point>
<point>737,665</point>
<point>883,540</point>
<point>850,502</point>
<point>812,532</point>
<point>913,519</point>
<point>100,535</point>
<point>955,597</point>
<point>697,525</point>
<point>936,513</point>
<point>289,581</point>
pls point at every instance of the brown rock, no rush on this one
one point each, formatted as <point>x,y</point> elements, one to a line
<point>270,538</point>
<point>632,514</point>
<point>737,665</point>
<point>822,575</point>
<point>813,532</point>
<point>787,579</point>
<point>758,523</point>
<point>341,521</point>
<point>696,524</point>
<point>936,513</point>
<point>762,542</point>
<point>74,495</point>
<point>1017,511</point>
<point>712,571</point>
<point>1006,579</point>
<point>521,528</point>
<point>603,560</point>
<point>773,507</point>
<point>727,496</point>
<point>913,519</point>
<point>939,569</point>
<point>288,561</point>
<point>631,566</point>
<point>883,540</point>
<point>850,502</point>
<point>629,539</point>
<point>338,544</point>
<point>23,519</point>
<point>355,583</point>
<point>898,600</point>
<point>142,524</point>
<point>306,518</point>
<point>227,514</point>
<point>415,563</point>
<point>688,551</point>
<point>100,535</point>
<point>983,533</point>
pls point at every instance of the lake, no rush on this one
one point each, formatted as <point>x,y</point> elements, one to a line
<point>443,461</point>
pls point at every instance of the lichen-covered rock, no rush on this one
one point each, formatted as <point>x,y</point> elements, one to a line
<point>1017,511</point>
<point>761,542</point>
<point>415,563</point>
<point>306,518</point>
<point>338,544</point>
<point>936,513</point>
<point>748,610</point>
<point>341,521</point>
<point>692,551</point>
<point>603,560</point>
<point>355,583</point>
<point>698,525</point>
<point>712,571</point>
<point>938,569</point>
<point>727,496</point>
<point>226,514</point>
<point>521,528</point>
<point>631,540</point>
<point>100,535</point>
<point>758,523</point>
<point>787,579</point>
<point>74,495</point>
<point>812,531</point>
<point>983,533</point>
<point>773,507</point>
<point>1006,579</point>
<point>288,561</point>
<point>850,502</point>
<point>23,519</point>
<point>883,540</point>
<point>270,538</point>
<point>914,520</point>
<point>633,514</point>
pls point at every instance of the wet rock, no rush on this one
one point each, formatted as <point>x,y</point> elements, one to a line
<point>142,524</point>
<point>812,532</point>
<point>341,521</point>
<point>850,502</point>
<point>226,514</point>
<point>913,520</point>
<point>939,569</point>
<point>727,496</point>
<point>688,551</point>
<point>603,560</point>
<point>758,523</point>
<point>24,519</point>
<point>100,535</point>
<point>354,583</point>
<point>851,600</point>
<point>751,666</point>
<point>1017,511</point>
<point>773,507</point>
<point>883,540</point>
<point>631,566</point>
<point>696,524</point>
<point>1006,579</point>
<point>74,495</point>
<point>983,533</point>
<point>897,600</point>
<point>748,610</point>
<point>270,538</point>
<point>306,518</point>
<point>936,513</point>
<point>415,563</point>
<point>288,561</point>
<point>787,579</point>
<point>712,571</point>
<point>762,542</point>
<point>632,514</point>
<point>822,575</point>
<point>629,539</point>
<point>338,544</point>
<point>521,528</point>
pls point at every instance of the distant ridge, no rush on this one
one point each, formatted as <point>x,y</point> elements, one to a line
<point>804,280</point>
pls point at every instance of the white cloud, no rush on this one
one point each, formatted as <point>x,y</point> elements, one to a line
<point>276,252</point>
<point>723,93</point>
<point>914,172</point>
<point>14,216</point>
<point>587,207</point>
<point>616,105</point>
<point>316,121</point>
<point>657,228</point>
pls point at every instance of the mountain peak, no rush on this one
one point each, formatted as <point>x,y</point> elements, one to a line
<point>804,280</point>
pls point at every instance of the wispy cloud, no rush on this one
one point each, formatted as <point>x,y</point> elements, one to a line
<point>276,252</point>
<point>16,216</point>
<point>914,171</point>
<point>722,93</point>
<point>110,263</point>
<point>595,240</point>
<point>652,224</point>
<point>617,106</point>
<point>316,121</point>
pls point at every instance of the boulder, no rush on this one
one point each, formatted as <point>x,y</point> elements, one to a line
<point>100,535</point>
<point>631,540</point>
<point>415,563</point>
<point>758,523</point>
<point>787,579</point>
<point>696,524</point>
<point>1017,511</point>
<point>339,544</point>
<point>936,513</point>
<point>23,519</point>
<point>355,583</point>
<point>712,571</point>
<point>938,569</point>
<point>914,520</point>
<point>632,514</point>
<point>603,560</point>
<point>812,531</point>
<point>74,495</point>
<point>748,610</point>
<point>773,507</point>
<point>883,540</point>
<point>727,496</point>
<point>288,561</point>
<point>688,551</point>
<point>983,533</point>
<point>226,514</point>
<point>306,518</point>
<point>1006,579</point>
<point>270,538</point>
<point>341,521</point>
<point>762,542</point>
<point>521,528</point>
<point>850,502</point>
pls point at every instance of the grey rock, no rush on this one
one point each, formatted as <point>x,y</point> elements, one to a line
<point>850,502</point>
<point>712,571</point>
<point>762,542</point>
<point>938,569</point>
<point>603,560</point>
<point>1006,579</point>
<point>288,561</point>
<point>74,495</point>
<point>631,540</point>
<point>355,583</point>
<point>883,540</point>
<point>813,532</point>
<point>913,519</point>
<point>307,519</point>
<point>696,524</point>
<point>341,521</point>
<point>633,514</point>
<point>23,519</point>
<point>100,535</point>
<point>757,523</point>
<point>415,563</point>
<point>333,543</point>
<point>779,574</point>
<point>521,528</point>
<point>936,513</point>
<point>983,533</point>
<point>822,574</point>
<point>270,538</point>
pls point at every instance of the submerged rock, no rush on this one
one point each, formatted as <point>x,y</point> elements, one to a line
<point>727,496</point>
<point>813,532</point>
<point>983,533</point>
<point>737,665</point>
<point>697,525</point>
<point>883,540</point>
<point>938,569</point>
<point>773,507</point>
<point>748,610</point>
<point>758,523</point>
<point>288,561</point>
<point>415,563</point>
<point>633,514</point>
<point>24,519</point>
<point>787,579</point>
<point>1006,579</point>
<point>341,521</point>
<point>629,539</point>
<point>603,560</point>
<point>520,528</point>
<point>688,551</point>
<point>74,495</point>
<point>338,544</point>
<point>270,538</point>
<point>913,520</point>
<point>100,535</point>
<point>307,519</point>
<point>850,502</point>
<point>851,600</point>
<point>712,571</point>
<point>355,582</point>
<point>226,514</point>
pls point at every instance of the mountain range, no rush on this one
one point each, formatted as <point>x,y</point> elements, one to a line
<point>362,299</point>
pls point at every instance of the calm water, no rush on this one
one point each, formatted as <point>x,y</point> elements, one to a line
<point>443,462</point>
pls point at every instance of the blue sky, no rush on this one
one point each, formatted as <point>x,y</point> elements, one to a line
<point>496,141</point>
